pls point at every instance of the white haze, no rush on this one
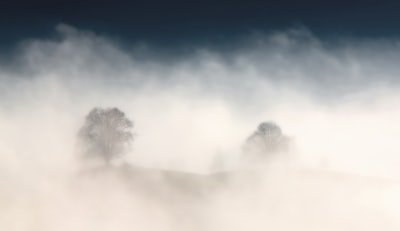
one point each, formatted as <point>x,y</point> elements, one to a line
<point>338,100</point>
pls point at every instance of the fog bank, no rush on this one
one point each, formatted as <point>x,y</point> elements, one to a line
<point>336,99</point>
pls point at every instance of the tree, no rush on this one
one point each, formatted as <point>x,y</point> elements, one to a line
<point>106,133</point>
<point>267,139</point>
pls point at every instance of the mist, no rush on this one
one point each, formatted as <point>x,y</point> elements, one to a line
<point>336,99</point>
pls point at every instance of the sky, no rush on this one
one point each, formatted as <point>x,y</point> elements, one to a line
<point>197,79</point>
<point>172,23</point>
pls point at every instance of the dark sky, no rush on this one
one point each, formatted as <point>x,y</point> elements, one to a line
<point>182,21</point>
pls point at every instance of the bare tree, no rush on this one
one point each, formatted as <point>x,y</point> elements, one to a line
<point>106,133</point>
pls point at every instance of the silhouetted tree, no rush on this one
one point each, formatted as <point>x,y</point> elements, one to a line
<point>267,139</point>
<point>106,133</point>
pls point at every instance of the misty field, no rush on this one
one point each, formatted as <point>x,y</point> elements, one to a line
<point>95,135</point>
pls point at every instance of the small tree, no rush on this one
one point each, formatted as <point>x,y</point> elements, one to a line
<point>267,139</point>
<point>106,133</point>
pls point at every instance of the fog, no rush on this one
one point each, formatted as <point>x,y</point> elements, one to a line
<point>337,100</point>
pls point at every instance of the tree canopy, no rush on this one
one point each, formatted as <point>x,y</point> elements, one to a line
<point>267,139</point>
<point>106,133</point>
